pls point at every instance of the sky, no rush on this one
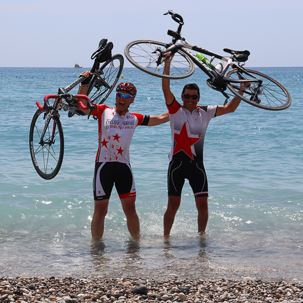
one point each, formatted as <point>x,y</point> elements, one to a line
<point>52,33</point>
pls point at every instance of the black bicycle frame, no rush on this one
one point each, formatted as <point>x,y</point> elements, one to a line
<point>213,73</point>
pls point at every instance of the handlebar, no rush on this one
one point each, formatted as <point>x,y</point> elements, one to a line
<point>89,103</point>
<point>68,97</point>
<point>89,106</point>
<point>176,17</point>
<point>46,104</point>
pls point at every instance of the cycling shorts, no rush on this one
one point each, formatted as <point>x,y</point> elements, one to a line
<point>109,173</point>
<point>193,171</point>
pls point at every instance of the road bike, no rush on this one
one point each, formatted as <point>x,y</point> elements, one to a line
<point>46,139</point>
<point>229,72</point>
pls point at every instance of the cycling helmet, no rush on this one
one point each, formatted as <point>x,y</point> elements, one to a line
<point>128,87</point>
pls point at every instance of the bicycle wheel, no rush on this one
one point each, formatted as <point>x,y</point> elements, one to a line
<point>144,54</point>
<point>47,152</point>
<point>270,95</point>
<point>104,82</point>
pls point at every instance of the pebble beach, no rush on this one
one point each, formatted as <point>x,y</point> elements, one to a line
<point>253,248</point>
<point>73,290</point>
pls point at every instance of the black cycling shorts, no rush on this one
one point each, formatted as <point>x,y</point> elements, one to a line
<point>194,172</point>
<point>109,173</point>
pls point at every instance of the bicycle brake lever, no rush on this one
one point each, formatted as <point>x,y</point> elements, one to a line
<point>160,59</point>
<point>91,108</point>
<point>89,104</point>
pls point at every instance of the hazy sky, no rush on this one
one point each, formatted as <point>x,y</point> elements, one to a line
<point>51,33</point>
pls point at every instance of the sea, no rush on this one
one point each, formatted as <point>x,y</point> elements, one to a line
<point>254,164</point>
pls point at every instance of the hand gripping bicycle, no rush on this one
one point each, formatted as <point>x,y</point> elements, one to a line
<point>149,56</point>
<point>46,140</point>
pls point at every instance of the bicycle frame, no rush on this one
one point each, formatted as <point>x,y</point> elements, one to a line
<point>46,138</point>
<point>213,73</point>
<point>59,104</point>
<point>58,100</point>
<point>218,78</point>
<point>229,76</point>
<point>53,110</point>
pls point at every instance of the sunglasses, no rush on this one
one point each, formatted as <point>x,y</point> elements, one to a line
<point>188,96</point>
<point>125,96</point>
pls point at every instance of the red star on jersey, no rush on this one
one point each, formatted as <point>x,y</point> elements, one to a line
<point>104,143</point>
<point>120,150</point>
<point>116,137</point>
<point>184,142</point>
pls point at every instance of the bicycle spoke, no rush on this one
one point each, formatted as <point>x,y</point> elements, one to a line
<point>105,80</point>
<point>46,151</point>
<point>145,54</point>
<point>269,94</point>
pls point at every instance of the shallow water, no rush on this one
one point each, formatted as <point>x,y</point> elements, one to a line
<point>253,160</point>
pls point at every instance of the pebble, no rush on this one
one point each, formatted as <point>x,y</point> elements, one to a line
<point>127,290</point>
<point>182,296</point>
<point>140,290</point>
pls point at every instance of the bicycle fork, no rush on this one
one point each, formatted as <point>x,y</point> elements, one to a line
<point>255,90</point>
<point>51,140</point>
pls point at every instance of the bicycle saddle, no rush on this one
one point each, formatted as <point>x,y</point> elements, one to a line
<point>240,56</point>
<point>106,53</point>
<point>103,52</point>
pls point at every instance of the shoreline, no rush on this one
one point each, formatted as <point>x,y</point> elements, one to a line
<point>74,290</point>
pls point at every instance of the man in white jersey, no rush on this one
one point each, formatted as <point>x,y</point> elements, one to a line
<point>188,127</point>
<point>116,127</point>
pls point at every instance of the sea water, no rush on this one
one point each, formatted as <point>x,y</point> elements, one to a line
<point>254,165</point>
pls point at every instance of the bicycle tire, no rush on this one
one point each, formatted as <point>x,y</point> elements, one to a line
<point>47,157</point>
<point>271,94</point>
<point>103,83</point>
<point>142,54</point>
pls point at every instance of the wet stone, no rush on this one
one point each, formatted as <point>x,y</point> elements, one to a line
<point>74,290</point>
<point>140,290</point>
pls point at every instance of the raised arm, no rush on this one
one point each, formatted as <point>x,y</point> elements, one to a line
<point>168,95</point>
<point>156,120</point>
<point>83,91</point>
<point>233,104</point>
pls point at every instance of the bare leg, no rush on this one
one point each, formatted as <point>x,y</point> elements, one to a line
<point>132,218</point>
<point>97,226</point>
<point>202,207</point>
<point>169,216</point>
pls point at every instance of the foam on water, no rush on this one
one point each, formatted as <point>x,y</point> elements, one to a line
<point>254,165</point>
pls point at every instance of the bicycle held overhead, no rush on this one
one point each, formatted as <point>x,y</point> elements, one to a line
<point>149,56</point>
<point>46,139</point>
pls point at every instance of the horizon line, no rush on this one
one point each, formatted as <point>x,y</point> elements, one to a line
<point>77,68</point>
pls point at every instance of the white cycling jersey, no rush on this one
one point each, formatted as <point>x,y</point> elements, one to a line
<point>115,133</point>
<point>188,130</point>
